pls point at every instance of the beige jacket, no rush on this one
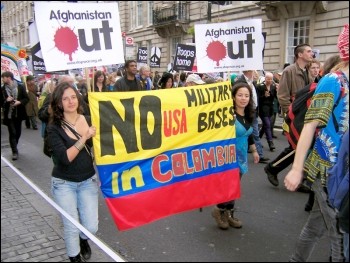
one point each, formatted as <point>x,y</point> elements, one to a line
<point>291,81</point>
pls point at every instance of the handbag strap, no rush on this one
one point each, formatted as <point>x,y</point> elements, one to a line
<point>68,125</point>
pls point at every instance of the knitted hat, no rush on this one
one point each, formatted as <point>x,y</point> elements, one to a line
<point>233,77</point>
<point>343,43</point>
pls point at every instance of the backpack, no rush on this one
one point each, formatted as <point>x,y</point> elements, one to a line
<point>294,120</point>
<point>338,175</point>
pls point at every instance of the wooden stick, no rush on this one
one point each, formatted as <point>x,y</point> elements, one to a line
<point>282,159</point>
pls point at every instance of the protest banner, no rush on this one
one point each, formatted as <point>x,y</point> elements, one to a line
<point>9,61</point>
<point>155,57</point>
<point>164,152</point>
<point>230,46</point>
<point>142,55</point>
<point>184,57</point>
<point>79,35</point>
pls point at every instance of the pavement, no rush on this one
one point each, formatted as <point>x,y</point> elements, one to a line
<point>31,228</point>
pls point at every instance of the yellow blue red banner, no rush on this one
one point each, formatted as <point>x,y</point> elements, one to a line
<point>164,152</point>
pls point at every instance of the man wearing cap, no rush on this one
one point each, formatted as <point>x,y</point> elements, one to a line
<point>193,80</point>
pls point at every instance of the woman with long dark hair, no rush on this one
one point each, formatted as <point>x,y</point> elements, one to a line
<point>242,96</point>
<point>74,180</point>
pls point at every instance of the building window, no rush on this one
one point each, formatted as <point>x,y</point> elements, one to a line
<point>298,33</point>
<point>132,15</point>
<point>139,13</point>
<point>150,12</point>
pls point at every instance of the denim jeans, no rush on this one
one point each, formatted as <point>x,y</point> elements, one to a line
<point>79,200</point>
<point>266,126</point>
<point>256,136</point>
<point>322,219</point>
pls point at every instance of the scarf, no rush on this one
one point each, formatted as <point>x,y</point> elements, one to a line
<point>11,90</point>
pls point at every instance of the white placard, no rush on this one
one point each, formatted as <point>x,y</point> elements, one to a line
<point>229,46</point>
<point>78,35</point>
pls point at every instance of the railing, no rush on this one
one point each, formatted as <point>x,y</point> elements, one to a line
<point>176,13</point>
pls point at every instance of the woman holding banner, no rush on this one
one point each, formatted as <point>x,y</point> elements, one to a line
<point>74,180</point>
<point>223,213</point>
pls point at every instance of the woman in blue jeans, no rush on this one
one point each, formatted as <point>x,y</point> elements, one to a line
<point>74,181</point>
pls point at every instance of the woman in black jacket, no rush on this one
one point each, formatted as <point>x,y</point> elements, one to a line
<point>74,180</point>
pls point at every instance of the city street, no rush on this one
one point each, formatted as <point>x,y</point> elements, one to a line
<point>272,217</point>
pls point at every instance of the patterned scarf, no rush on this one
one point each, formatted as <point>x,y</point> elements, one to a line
<point>12,91</point>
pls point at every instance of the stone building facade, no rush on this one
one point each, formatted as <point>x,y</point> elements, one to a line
<point>166,23</point>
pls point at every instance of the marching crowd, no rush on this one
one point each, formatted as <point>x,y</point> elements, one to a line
<point>62,106</point>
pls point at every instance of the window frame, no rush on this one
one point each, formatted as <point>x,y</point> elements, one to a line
<point>296,35</point>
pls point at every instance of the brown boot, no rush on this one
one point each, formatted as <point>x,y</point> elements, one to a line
<point>233,221</point>
<point>220,217</point>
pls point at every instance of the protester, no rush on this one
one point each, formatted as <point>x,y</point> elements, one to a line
<point>323,156</point>
<point>166,81</point>
<point>193,80</point>
<point>223,213</point>
<point>156,80</point>
<point>182,81</point>
<point>32,105</point>
<point>44,113</point>
<point>111,79</point>
<point>47,89</point>
<point>82,88</point>
<point>176,80</point>
<point>314,68</point>
<point>294,78</point>
<point>129,81</point>
<point>343,219</point>
<point>74,181</point>
<point>247,77</point>
<point>144,77</point>
<point>13,100</point>
<point>100,80</point>
<point>267,93</point>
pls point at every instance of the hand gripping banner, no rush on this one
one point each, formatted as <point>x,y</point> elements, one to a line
<point>164,152</point>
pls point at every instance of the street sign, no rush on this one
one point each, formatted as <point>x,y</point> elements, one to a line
<point>129,41</point>
<point>123,34</point>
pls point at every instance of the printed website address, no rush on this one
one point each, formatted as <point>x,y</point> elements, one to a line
<point>81,62</point>
<point>233,66</point>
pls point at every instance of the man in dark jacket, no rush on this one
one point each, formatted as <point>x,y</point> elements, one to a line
<point>129,81</point>
<point>13,100</point>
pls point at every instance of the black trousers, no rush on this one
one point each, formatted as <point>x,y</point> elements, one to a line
<point>14,127</point>
<point>275,169</point>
